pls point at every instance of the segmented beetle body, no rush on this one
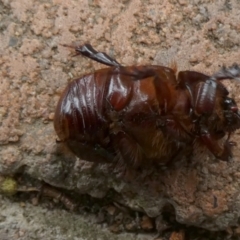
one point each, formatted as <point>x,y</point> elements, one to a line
<point>143,114</point>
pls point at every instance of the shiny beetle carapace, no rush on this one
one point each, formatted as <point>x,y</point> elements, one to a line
<point>143,114</point>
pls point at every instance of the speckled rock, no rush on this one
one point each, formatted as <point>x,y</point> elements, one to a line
<point>35,68</point>
<point>28,222</point>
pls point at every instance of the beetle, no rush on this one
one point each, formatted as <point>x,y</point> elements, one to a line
<point>139,115</point>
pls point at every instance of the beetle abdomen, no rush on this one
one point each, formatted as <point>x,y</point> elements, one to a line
<point>80,114</point>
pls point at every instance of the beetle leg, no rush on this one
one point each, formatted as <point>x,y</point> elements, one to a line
<point>202,90</point>
<point>175,129</point>
<point>88,51</point>
<point>188,80</point>
<point>204,99</point>
<point>128,151</point>
<point>206,91</point>
<point>211,143</point>
<point>137,72</point>
<point>205,96</point>
<point>232,72</point>
<point>87,151</point>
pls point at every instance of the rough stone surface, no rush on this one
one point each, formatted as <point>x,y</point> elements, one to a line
<point>35,68</point>
<point>28,222</point>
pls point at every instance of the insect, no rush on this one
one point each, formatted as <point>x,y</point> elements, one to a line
<point>137,115</point>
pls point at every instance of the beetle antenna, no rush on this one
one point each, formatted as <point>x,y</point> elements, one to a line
<point>73,46</point>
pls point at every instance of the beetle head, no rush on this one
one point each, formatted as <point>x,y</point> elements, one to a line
<point>231,114</point>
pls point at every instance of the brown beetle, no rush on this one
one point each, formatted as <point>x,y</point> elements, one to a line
<point>143,114</point>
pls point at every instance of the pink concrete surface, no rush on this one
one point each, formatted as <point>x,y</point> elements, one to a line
<point>35,68</point>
